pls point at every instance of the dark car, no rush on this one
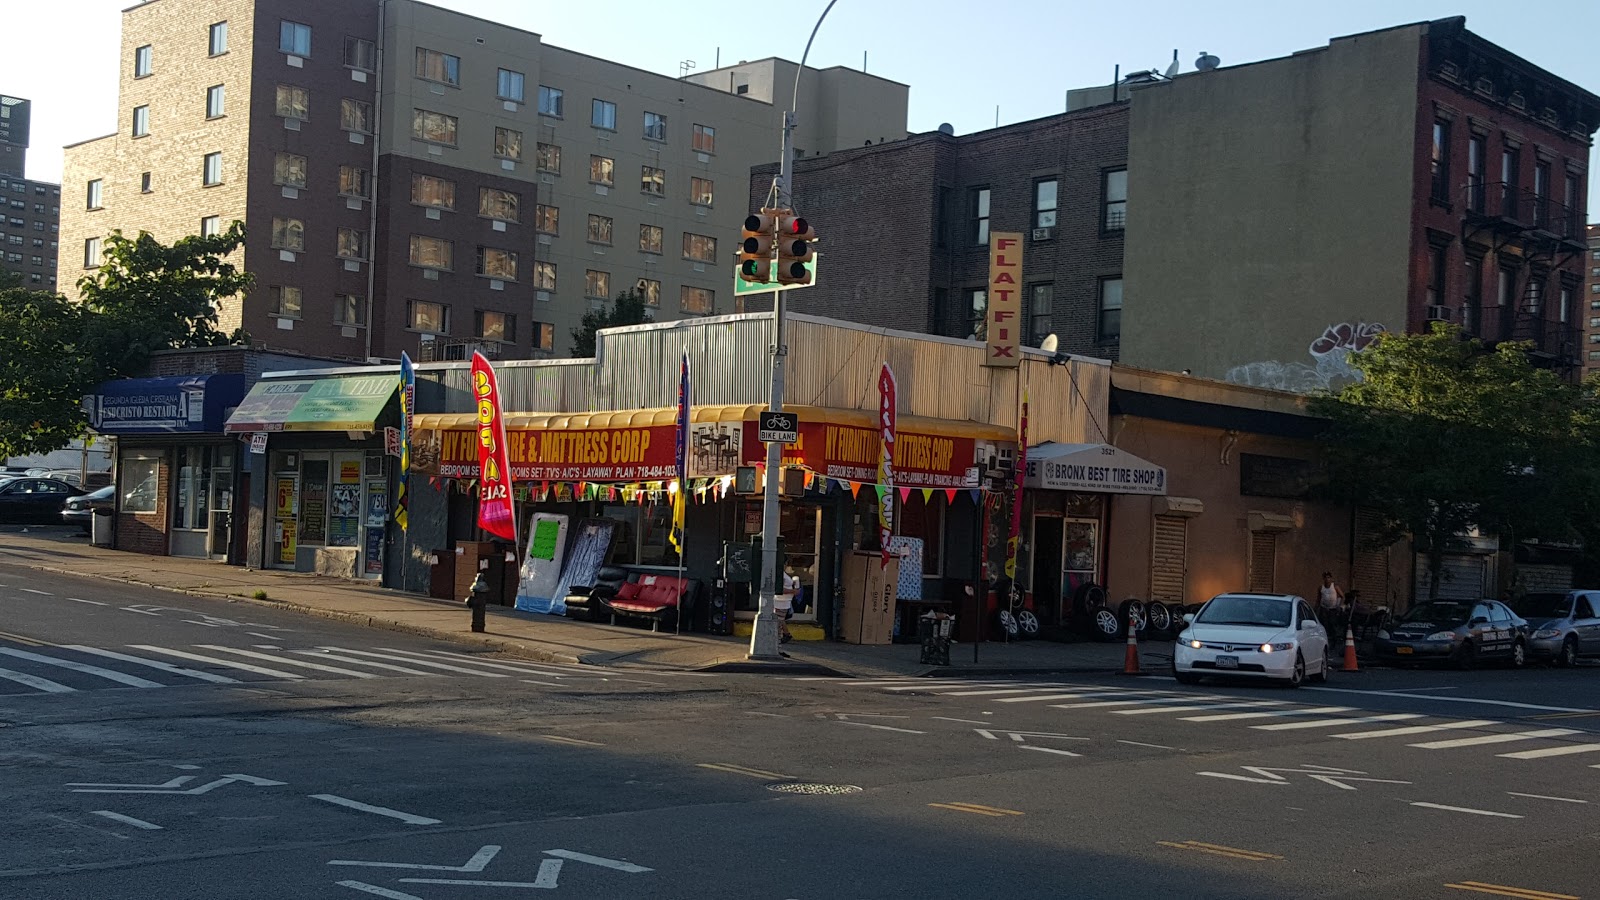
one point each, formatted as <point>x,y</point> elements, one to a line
<point>34,501</point>
<point>1563,624</point>
<point>1458,631</point>
<point>79,510</point>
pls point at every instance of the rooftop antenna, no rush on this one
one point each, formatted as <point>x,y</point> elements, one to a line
<point>1172,70</point>
<point>685,67</point>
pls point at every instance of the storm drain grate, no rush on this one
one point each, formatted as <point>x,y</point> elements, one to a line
<point>812,787</point>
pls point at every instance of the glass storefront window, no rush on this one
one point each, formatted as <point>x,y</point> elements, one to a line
<point>924,519</point>
<point>190,510</point>
<point>624,547</point>
<point>314,502</point>
<point>139,485</point>
<point>344,505</point>
<point>654,528</point>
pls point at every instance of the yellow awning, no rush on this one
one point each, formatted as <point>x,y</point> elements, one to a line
<point>748,412</point>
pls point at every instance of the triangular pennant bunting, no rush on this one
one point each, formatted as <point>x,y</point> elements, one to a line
<point>950,495</point>
<point>905,495</point>
<point>927,495</point>
<point>855,488</point>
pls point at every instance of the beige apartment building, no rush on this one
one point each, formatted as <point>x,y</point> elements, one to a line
<point>414,179</point>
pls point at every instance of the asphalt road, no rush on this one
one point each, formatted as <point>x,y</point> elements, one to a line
<point>229,750</point>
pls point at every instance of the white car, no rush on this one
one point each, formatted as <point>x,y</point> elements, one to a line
<point>1256,635</point>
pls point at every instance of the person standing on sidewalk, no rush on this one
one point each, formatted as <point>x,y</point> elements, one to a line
<point>1330,606</point>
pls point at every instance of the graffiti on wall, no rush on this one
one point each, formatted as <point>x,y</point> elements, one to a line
<point>1329,366</point>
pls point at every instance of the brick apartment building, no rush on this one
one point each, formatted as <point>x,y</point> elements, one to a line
<point>904,227</point>
<point>1591,306</point>
<point>30,211</point>
<point>416,179</point>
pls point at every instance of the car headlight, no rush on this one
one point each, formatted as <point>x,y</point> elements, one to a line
<point>1187,638</point>
<point>1442,636</point>
<point>1268,648</point>
<point>1383,635</point>
<point>1547,633</point>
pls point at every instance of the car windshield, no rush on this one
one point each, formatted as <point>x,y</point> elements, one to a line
<point>1544,604</point>
<point>1439,612</point>
<point>1263,611</point>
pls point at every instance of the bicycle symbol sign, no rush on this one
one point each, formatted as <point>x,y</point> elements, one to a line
<point>778,428</point>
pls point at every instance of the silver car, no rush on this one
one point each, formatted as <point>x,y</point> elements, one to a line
<point>1563,624</point>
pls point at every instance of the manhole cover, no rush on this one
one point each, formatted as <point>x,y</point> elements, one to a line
<point>811,787</point>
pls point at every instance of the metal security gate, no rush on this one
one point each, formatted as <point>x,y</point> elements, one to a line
<point>1369,570</point>
<point>1169,559</point>
<point>1461,577</point>
<point>1263,561</point>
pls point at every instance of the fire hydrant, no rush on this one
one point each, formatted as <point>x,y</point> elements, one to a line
<point>479,601</point>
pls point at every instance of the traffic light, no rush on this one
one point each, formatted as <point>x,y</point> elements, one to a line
<point>794,249</point>
<point>755,248</point>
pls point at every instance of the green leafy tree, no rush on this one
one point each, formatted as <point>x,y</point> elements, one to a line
<point>1442,434</point>
<point>628,309</point>
<point>145,297</point>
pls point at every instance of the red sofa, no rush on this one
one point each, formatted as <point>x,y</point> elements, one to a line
<point>657,598</point>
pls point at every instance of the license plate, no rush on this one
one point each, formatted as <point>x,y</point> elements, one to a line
<point>1227,662</point>
<point>1402,650</point>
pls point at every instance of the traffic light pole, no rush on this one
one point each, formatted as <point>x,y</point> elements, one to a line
<point>764,634</point>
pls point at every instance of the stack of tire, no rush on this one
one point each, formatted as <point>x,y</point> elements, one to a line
<point>1105,622</point>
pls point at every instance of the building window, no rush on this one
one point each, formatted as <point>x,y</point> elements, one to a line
<point>550,101</point>
<point>544,336</point>
<point>697,301</point>
<point>91,253</point>
<point>1115,190</point>
<point>288,234</point>
<point>360,53</point>
<point>142,61</point>
<point>1111,309</point>
<point>978,314</point>
<point>288,169</point>
<point>496,263</point>
<point>1044,203</point>
<point>217,39</point>
<point>1041,304</point>
<point>1438,259</point>
<point>489,325</point>
<point>650,238</point>
<point>1477,156</point>
<point>355,115</point>
<point>352,244</point>
<point>293,102</point>
<point>215,107</point>
<point>650,290</point>
<point>546,219</point>
<point>349,309</point>
<point>435,128</point>
<point>1472,300</point>
<point>700,191</point>
<point>210,226</point>
<point>1505,293</point>
<point>211,170</point>
<point>544,276</point>
<point>699,247</point>
<point>655,127</point>
<point>980,216</point>
<point>1564,305</point>
<point>1541,194</point>
<point>599,229</point>
<point>653,181</point>
<point>600,170</point>
<point>1439,163</point>
<point>431,252</point>
<point>441,67</point>
<point>705,139</point>
<point>548,158</point>
<point>286,302</point>
<point>597,284</point>
<point>141,121</point>
<point>1510,172</point>
<point>507,143</point>
<point>94,199</point>
<point>1535,301</point>
<point>433,318</point>
<point>497,204</point>
<point>294,38</point>
<point>508,85</point>
<point>603,114</point>
<point>428,190</point>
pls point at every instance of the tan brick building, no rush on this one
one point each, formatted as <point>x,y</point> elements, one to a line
<point>416,179</point>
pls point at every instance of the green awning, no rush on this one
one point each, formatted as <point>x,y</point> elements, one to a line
<point>335,403</point>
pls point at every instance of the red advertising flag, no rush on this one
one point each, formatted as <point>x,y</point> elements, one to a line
<point>495,512</point>
<point>886,416</point>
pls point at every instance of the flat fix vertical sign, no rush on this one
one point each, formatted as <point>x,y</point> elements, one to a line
<point>1004,330</point>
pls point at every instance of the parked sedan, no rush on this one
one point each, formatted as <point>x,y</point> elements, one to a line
<point>1459,631</point>
<point>80,510</point>
<point>34,501</point>
<point>1563,624</point>
<point>1264,635</point>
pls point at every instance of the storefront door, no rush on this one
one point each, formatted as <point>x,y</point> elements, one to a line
<point>1047,571</point>
<point>191,515</point>
<point>1080,554</point>
<point>285,499</point>
<point>221,512</point>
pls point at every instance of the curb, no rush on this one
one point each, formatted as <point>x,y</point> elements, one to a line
<point>753,667</point>
<point>984,672</point>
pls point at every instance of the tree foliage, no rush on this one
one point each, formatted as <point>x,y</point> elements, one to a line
<point>146,296</point>
<point>628,309</point>
<point>1443,433</point>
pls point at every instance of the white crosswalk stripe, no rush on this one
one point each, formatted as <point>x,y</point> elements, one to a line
<point>1334,723</point>
<point>350,660</point>
<point>85,668</point>
<point>1568,750</point>
<point>35,682</point>
<point>523,668</point>
<point>1276,713</point>
<point>1197,705</point>
<point>1496,739</point>
<point>157,664</point>
<point>419,662</point>
<point>280,659</point>
<point>1457,725</point>
<point>225,663</point>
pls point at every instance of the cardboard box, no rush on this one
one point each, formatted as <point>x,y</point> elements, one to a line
<point>867,616</point>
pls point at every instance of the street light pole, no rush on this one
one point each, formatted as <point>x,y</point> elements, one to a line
<point>764,634</point>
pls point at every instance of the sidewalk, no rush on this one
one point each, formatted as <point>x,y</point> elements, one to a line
<point>538,637</point>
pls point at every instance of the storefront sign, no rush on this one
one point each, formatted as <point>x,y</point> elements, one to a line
<point>165,405</point>
<point>338,403</point>
<point>258,443</point>
<point>886,442</point>
<point>597,454</point>
<point>1094,468</point>
<point>391,441</point>
<point>852,453</point>
<point>1004,329</point>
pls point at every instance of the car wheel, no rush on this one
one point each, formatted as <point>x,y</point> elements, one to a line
<point>1159,615</point>
<point>1327,667</point>
<point>1106,627</point>
<point>1467,656</point>
<point>1131,610</point>
<point>1567,656</point>
<point>1008,622</point>
<point>1519,655</point>
<point>1027,623</point>
<point>1184,677</point>
<point>1297,677</point>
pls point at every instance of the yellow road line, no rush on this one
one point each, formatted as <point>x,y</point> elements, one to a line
<point>976,808</point>
<point>744,770</point>
<point>1505,891</point>
<point>32,642</point>
<point>1220,850</point>
<point>568,740</point>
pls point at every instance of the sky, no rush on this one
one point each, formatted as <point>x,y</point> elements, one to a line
<point>962,59</point>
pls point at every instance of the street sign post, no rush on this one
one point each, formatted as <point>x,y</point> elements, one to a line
<point>778,427</point>
<point>742,287</point>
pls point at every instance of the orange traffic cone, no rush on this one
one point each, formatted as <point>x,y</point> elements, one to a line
<point>1130,665</point>
<point>1350,649</point>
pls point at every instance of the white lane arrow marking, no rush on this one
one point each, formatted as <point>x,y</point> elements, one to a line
<point>477,863</point>
<point>1325,774</point>
<point>618,864</point>
<point>175,782</point>
<point>1018,736</point>
<point>170,786</point>
<point>377,891</point>
<point>846,719</point>
<point>549,871</point>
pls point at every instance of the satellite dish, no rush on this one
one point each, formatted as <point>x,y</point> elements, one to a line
<point>1049,343</point>
<point>1207,62</point>
<point>1172,70</point>
<point>947,128</point>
